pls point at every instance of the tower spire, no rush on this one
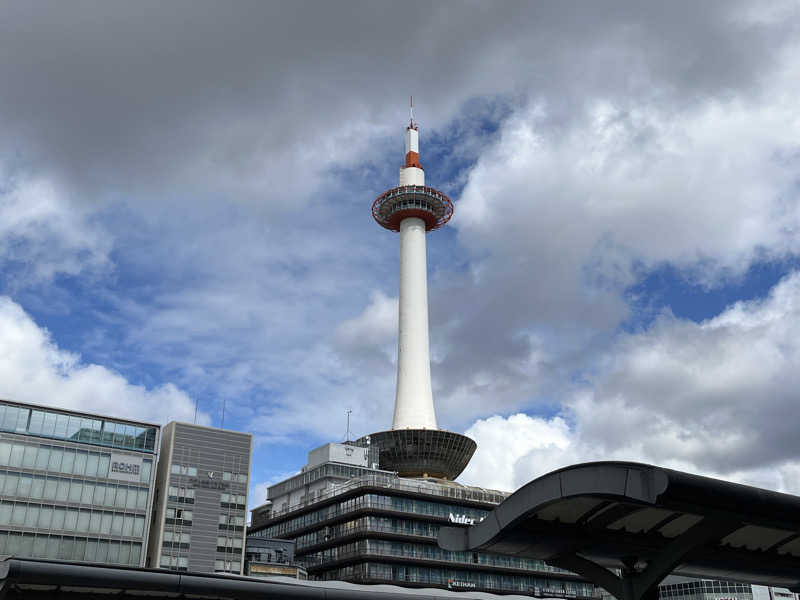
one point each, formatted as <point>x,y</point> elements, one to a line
<point>415,446</point>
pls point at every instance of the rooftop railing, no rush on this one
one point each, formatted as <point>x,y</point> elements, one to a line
<point>450,491</point>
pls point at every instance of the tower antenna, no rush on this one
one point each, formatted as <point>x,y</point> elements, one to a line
<point>347,435</point>
<point>412,112</point>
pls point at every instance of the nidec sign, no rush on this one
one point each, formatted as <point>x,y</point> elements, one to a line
<point>464,519</point>
<point>125,467</point>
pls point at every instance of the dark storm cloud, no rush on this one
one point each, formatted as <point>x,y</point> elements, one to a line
<point>166,93</point>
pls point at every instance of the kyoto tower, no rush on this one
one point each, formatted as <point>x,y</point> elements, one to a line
<point>415,447</point>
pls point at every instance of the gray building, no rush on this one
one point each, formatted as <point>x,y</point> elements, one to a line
<point>351,521</point>
<point>201,499</point>
<point>75,486</point>
<point>269,557</point>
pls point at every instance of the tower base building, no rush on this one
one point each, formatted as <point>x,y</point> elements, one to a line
<point>351,521</point>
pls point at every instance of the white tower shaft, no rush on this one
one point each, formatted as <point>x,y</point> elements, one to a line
<point>413,407</point>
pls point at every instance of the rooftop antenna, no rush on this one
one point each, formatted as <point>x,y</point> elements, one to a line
<point>347,435</point>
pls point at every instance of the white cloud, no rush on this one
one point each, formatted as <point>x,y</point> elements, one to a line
<point>43,235</point>
<point>717,398</point>
<point>502,442</point>
<point>33,369</point>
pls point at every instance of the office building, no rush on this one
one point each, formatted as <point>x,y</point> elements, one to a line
<point>356,523</point>
<point>676,587</point>
<point>201,499</point>
<point>75,486</point>
<point>269,557</point>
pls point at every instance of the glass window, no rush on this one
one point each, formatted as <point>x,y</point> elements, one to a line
<point>99,494</point>
<point>83,521</point>
<point>5,512</point>
<point>125,553</point>
<point>94,522</point>
<point>5,452</point>
<point>32,516</point>
<point>71,519</point>
<point>122,494</point>
<point>61,426</point>
<point>113,552</point>
<point>62,491</point>
<point>87,432</point>
<point>25,482</point>
<point>116,524</point>
<point>102,551</point>
<point>26,544</point>
<point>65,549</point>
<point>50,489</point>
<point>18,514</point>
<point>56,455</point>
<point>29,457</point>
<point>130,436</point>
<point>80,549</point>
<point>73,428</point>
<point>141,499</point>
<point>91,550</point>
<point>88,493</point>
<point>105,522</point>
<point>45,517</point>
<point>103,464</point>
<point>49,425</point>
<point>138,526</point>
<point>80,462</point>
<point>144,474</point>
<point>92,463</point>
<point>10,487</point>
<point>119,434</point>
<point>16,455</point>
<point>75,490</point>
<point>68,462</point>
<point>108,432</point>
<point>127,525</point>
<point>59,514</point>
<point>42,457</point>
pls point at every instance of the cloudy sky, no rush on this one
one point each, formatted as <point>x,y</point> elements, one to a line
<point>185,225</point>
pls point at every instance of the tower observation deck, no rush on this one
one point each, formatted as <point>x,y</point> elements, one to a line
<point>415,446</point>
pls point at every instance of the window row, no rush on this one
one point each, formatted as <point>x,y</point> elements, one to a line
<point>42,545</point>
<point>179,514</point>
<point>177,469</point>
<point>427,552</point>
<point>59,518</point>
<point>231,520</point>
<point>175,536</point>
<point>56,459</point>
<point>176,563</point>
<point>237,477</point>
<point>180,494</point>
<point>227,543</point>
<point>377,501</point>
<point>227,566</point>
<point>45,423</point>
<point>463,579</point>
<point>236,499</point>
<point>59,489</point>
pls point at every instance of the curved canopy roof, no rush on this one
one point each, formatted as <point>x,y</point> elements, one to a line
<point>646,521</point>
